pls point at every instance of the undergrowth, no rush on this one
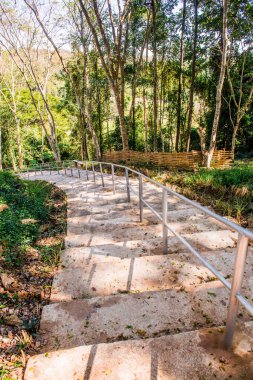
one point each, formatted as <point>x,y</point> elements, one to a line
<point>26,209</point>
<point>228,191</point>
<point>32,229</point>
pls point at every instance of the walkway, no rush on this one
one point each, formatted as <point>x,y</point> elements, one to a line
<point>121,310</point>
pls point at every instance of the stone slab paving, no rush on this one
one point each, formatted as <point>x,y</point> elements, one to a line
<point>134,315</point>
<point>114,284</point>
<point>99,276</point>
<point>195,355</point>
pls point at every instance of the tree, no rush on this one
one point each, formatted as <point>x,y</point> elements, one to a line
<point>180,77</point>
<point>115,50</point>
<point>23,50</point>
<point>10,92</point>
<point>155,111</point>
<point>213,139</point>
<point>82,42</point>
<point>193,75</point>
<point>241,96</point>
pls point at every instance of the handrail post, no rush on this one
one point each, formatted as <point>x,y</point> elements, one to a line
<point>71,171</point>
<point>94,176</point>
<point>127,185</point>
<point>86,168</point>
<point>50,169</point>
<point>58,168</point>
<point>241,254</point>
<point>64,168</point>
<point>41,170</point>
<point>79,174</point>
<point>140,197</point>
<point>113,181</point>
<point>165,215</point>
<point>101,172</point>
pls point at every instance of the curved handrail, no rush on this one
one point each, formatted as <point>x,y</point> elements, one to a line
<point>228,223</point>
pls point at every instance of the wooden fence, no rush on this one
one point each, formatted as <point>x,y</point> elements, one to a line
<point>182,160</point>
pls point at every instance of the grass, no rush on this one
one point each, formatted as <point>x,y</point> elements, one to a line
<point>32,229</point>
<point>26,212</point>
<point>228,191</point>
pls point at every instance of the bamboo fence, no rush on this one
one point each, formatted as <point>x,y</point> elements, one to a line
<point>182,160</point>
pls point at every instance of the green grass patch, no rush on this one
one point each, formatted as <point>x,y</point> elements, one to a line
<point>25,207</point>
<point>228,191</point>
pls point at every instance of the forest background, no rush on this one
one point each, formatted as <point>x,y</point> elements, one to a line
<point>78,78</point>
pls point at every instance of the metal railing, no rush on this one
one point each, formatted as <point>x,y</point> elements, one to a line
<point>243,234</point>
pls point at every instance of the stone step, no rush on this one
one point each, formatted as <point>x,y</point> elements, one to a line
<point>83,209</point>
<point>121,250</point>
<point>104,240</point>
<point>205,241</point>
<point>78,225</point>
<point>98,276</point>
<point>134,316</point>
<point>114,284</point>
<point>191,355</point>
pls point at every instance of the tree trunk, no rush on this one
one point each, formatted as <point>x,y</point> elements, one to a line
<point>155,108</point>
<point>145,117</point>
<point>235,130</point>
<point>20,152</point>
<point>89,112</point>
<point>12,156</point>
<point>180,78</point>
<point>133,122</point>
<point>213,139</point>
<point>42,145</point>
<point>134,92</point>
<point>120,110</point>
<point>193,74</point>
<point>1,155</point>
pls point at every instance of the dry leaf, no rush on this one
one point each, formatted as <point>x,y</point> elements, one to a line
<point>13,320</point>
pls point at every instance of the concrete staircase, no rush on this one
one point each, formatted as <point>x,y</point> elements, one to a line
<point>122,310</point>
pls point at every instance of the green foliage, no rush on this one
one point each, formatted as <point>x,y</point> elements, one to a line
<point>236,176</point>
<point>68,99</point>
<point>26,206</point>
<point>229,191</point>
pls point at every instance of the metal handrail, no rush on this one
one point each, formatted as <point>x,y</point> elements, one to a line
<point>242,245</point>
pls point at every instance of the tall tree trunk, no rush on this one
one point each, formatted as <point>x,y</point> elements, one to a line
<point>145,117</point>
<point>240,106</point>
<point>12,156</point>
<point>235,130</point>
<point>216,119</point>
<point>121,113</point>
<point>42,145</point>
<point>133,122</point>
<point>193,74</point>
<point>180,78</point>
<point>84,149</point>
<point>20,151</point>
<point>89,111</point>
<point>1,154</point>
<point>121,108</point>
<point>155,108</point>
<point>134,91</point>
<point>100,126</point>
